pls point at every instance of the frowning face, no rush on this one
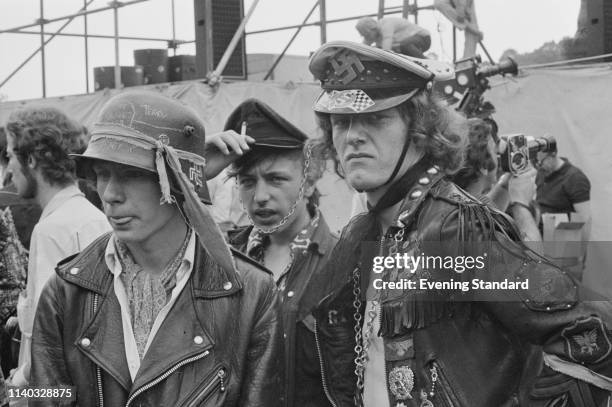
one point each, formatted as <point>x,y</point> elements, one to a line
<point>369,145</point>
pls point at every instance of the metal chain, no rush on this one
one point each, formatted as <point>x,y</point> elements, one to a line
<point>397,239</point>
<point>425,402</point>
<point>359,367</point>
<point>362,339</point>
<point>286,218</point>
<point>363,336</point>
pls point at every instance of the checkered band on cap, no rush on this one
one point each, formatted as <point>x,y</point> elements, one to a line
<point>355,99</point>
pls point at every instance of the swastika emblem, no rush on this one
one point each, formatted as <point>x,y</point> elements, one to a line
<point>196,174</point>
<point>346,66</point>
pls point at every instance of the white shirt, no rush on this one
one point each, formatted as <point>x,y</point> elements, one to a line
<point>226,209</point>
<point>374,377</point>
<point>68,224</point>
<point>182,276</point>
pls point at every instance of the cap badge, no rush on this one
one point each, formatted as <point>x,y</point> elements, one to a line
<point>165,140</point>
<point>354,99</point>
<point>346,66</point>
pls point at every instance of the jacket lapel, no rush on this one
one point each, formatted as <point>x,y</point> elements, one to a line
<point>180,337</point>
<point>102,339</point>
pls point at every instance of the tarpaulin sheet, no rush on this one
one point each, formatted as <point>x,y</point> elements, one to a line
<point>292,100</point>
<point>571,104</point>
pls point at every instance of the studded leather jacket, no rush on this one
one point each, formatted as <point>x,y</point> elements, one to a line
<point>473,352</point>
<point>219,345</point>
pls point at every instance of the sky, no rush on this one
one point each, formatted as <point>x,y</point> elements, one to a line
<point>523,25</point>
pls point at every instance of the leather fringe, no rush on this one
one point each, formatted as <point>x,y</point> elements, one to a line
<point>414,311</point>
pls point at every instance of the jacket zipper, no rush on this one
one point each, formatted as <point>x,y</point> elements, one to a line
<point>217,380</point>
<point>98,370</point>
<point>325,389</point>
<point>162,377</point>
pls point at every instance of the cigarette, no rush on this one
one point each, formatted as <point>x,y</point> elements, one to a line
<point>243,128</point>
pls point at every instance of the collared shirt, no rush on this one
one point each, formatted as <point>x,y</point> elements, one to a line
<point>182,277</point>
<point>68,224</point>
<point>300,244</point>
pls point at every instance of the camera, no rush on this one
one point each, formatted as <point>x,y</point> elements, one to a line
<point>466,90</point>
<point>521,151</point>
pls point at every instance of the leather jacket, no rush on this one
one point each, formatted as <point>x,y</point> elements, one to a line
<point>474,353</point>
<point>219,345</point>
<point>303,384</point>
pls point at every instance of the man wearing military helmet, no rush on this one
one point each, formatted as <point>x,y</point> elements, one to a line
<point>409,345</point>
<point>160,311</point>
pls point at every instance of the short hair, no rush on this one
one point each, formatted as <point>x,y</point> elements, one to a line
<point>49,136</point>
<point>316,167</point>
<point>477,154</point>
<point>433,126</point>
<point>365,23</point>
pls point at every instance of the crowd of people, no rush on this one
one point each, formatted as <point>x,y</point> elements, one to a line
<point>135,295</point>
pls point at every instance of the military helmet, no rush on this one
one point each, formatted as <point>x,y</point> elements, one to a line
<point>133,125</point>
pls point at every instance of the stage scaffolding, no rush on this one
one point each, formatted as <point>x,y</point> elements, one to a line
<point>407,9</point>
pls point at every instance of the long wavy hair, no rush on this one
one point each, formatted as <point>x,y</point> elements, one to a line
<point>477,155</point>
<point>436,129</point>
<point>49,136</point>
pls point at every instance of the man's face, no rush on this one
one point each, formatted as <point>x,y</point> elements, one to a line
<point>269,189</point>
<point>131,202</point>
<point>370,34</point>
<point>21,175</point>
<point>369,145</point>
<point>545,162</point>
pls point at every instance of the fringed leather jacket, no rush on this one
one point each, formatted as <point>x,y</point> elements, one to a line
<point>443,348</point>
<point>220,344</point>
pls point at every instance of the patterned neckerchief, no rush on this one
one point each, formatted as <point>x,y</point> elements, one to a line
<point>258,241</point>
<point>147,294</point>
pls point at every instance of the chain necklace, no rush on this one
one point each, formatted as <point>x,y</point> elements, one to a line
<point>363,336</point>
<point>286,218</point>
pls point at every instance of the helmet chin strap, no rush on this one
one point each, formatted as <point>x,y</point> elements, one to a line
<point>398,166</point>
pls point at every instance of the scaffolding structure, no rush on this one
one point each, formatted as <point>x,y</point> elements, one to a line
<point>408,8</point>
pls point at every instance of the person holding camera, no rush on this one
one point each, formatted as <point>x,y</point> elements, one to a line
<point>562,188</point>
<point>478,176</point>
<point>398,346</point>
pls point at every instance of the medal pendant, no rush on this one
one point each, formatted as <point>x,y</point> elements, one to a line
<point>401,382</point>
